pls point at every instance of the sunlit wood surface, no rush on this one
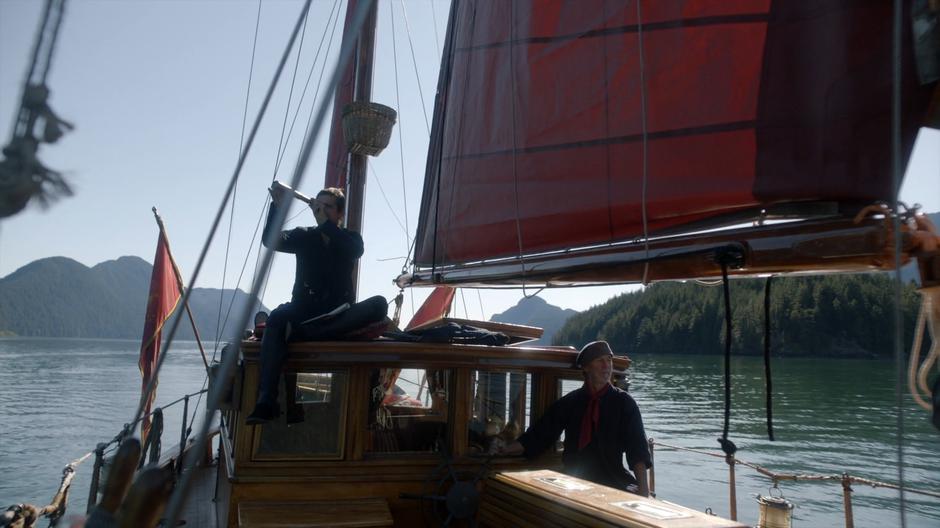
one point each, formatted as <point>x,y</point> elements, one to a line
<point>546,498</point>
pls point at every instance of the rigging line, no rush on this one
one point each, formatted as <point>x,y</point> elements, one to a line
<point>391,209</point>
<point>55,39</point>
<point>18,120</point>
<point>768,381</point>
<point>302,211</point>
<point>40,36</point>
<point>290,94</point>
<point>437,41</point>
<point>515,174</point>
<point>726,445</point>
<point>228,362</point>
<point>466,314</point>
<point>266,278</point>
<point>414,60</point>
<point>401,141</point>
<point>646,233</point>
<point>281,144</point>
<point>313,67</point>
<point>482,313</point>
<point>231,220</point>
<point>241,273</point>
<point>218,217</point>
<point>896,174</point>
<point>316,93</point>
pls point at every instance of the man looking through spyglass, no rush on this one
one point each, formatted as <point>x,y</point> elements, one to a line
<point>323,281</point>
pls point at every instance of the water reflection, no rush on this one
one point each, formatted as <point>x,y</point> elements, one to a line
<point>59,398</point>
<point>830,416</point>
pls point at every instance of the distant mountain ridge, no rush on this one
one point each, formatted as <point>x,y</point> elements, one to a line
<point>59,297</point>
<point>535,311</point>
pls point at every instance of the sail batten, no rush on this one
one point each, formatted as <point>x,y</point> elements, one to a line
<point>552,132</point>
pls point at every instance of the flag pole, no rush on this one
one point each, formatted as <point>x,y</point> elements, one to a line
<point>179,284</point>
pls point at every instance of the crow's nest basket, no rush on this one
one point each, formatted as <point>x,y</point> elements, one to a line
<point>367,127</point>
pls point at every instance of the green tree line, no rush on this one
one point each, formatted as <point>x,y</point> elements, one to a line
<point>834,315</point>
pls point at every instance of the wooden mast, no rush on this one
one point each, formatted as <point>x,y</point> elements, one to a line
<point>344,169</point>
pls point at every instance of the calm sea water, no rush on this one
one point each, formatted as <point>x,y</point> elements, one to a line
<point>59,398</point>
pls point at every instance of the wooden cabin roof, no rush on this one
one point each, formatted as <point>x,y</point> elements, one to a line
<point>384,351</point>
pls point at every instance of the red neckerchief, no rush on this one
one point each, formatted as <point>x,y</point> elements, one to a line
<point>592,414</point>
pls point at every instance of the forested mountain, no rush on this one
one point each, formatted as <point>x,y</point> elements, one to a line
<point>534,311</point>
<point>850,315</point>
<point>59,297</point>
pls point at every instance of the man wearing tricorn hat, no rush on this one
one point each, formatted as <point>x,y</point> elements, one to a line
<point>601,424</point>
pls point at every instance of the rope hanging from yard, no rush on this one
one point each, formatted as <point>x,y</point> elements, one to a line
<point>727,445</point>
<point>768,381</point>
<point>927,319</point>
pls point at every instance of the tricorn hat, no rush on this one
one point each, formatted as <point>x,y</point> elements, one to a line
<point>592,351</point>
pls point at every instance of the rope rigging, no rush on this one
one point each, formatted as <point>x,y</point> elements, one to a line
<point>896,176</point>
<point>401,143</point>
<point>414,61</point>
<point>145,394</point>
<point>768,381</point>
<point>727,445</point>
<point>281,151</point>
<point>241,145</point>
<point>228,361</point>
<point>22,174</point>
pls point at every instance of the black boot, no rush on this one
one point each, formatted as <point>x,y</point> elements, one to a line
<point>264,412</point>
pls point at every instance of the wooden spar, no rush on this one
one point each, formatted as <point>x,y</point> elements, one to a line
<point>820,246</point>
<point>179,284</point>
<point>355,86</point>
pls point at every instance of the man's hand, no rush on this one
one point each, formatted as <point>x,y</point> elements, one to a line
<point>279,193</point>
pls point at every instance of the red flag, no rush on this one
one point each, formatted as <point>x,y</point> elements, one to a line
<point>164,296</point>
<point>436,306</point>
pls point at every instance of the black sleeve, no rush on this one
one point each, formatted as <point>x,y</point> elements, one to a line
<point>283,241</point>
<point>635,442</point>
<point>345,242</point>
<point>545,432</point>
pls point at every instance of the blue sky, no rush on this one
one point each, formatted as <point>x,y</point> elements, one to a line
<point>157,91</point>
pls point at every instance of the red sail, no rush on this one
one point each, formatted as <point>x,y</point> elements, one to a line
<point>164,296</point>
<point>435,307</point>
<point>553,115</point>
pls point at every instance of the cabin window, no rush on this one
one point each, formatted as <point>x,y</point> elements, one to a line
<point>312,422</point>
<point>568,385</point>
<point>408,410</point>
<point>502,402</point>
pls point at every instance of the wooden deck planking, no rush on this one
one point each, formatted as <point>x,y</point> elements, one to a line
<point>199,509</point>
